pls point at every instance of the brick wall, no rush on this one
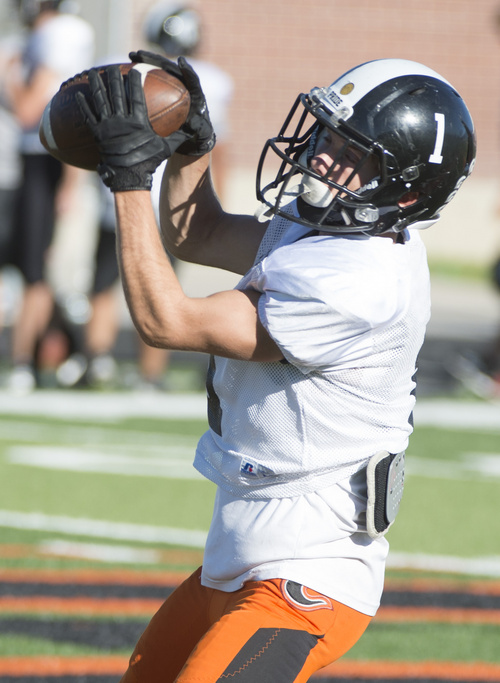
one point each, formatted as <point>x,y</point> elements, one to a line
<point>275,49</point>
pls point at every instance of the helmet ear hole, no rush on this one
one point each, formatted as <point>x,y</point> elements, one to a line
<point>408,199</point>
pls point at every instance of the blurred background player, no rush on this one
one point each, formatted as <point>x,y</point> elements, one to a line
<point>58,45</point>
<point>176,28</point>
<point>10,161</point>
<point>478,370</point>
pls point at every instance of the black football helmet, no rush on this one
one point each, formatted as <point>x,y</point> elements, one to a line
<point>174,26</point>
<point>401,117</point>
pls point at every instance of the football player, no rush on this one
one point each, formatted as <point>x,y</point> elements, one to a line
<point>58,44</point>
<point>176,27</point>
<point>312,356</point>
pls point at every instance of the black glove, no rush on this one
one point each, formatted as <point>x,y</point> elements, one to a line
<point>196,136</point>
<point>129,148</point>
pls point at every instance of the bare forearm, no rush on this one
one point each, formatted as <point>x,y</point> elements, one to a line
<point>185,189</point>
<point>195,227</point>
<point>224,324</point>
<point>149,282</point>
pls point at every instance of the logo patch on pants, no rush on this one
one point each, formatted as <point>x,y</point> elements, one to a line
<point>303,598</point>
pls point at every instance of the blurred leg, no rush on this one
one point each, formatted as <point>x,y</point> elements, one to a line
<point>102,328</point>
<point>34,317</point>
<point>153,364</point>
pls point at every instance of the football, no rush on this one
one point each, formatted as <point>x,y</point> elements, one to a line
<point>65,135</point>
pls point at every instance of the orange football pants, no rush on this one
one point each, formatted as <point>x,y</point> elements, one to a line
<point>267,632</point>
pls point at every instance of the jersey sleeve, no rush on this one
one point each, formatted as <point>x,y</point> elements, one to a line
<point>321,304</point>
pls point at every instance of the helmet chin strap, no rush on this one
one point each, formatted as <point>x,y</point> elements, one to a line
<point>313,191</point>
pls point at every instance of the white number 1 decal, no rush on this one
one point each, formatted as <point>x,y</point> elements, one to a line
<point>436,157</point>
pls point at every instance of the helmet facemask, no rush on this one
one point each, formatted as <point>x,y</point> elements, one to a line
<point>329,170</point>
<point>341,173</point>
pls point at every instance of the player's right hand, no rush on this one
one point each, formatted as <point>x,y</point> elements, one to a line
<point>129,148</point>
<point>198,129</point>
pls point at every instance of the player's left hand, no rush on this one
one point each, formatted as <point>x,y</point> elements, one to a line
<point>199,135</point>
<point>129,148</point>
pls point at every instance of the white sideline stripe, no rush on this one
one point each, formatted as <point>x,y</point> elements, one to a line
<point>102,553</point>
<point>457,414</point>
<point>103,406</point>
<point>176,463</point>
<point>80,460</point>
<point>26,432</point>
<point>478,464</point>
<point>78,526</point>
<point>479,566</point>
<point>487,464</point>
<point>115,406</point>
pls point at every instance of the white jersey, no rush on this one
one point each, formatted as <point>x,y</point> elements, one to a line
<point>290,441</point>
<point>10,162</point>
<point>349,314</point>
<point>218,89</point>
<point>64,44</point>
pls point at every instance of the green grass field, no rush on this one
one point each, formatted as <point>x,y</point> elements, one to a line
<point>55,467</point>
<point>129,484</point>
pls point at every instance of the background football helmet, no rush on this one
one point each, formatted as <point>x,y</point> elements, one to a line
<point>174,26</point>
<point>399,114</point>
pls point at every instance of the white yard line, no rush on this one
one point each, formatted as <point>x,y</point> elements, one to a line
<point>77,526</point>
<point>79,405</point>
<point>478,566</point>
<point>96,406</point>
<point>469,466</point>
<point>450,414</point>
<point>100,552</point>
<point>27,431</point>
<point>176,462</point>
<point>173,463</point>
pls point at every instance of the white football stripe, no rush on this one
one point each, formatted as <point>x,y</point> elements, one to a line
<point>47,127</point>
<point>378,71</point>
<point>143,70</point>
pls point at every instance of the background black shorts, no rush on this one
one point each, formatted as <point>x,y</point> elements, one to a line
<point>106,264</point>
<point>35,219</point>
